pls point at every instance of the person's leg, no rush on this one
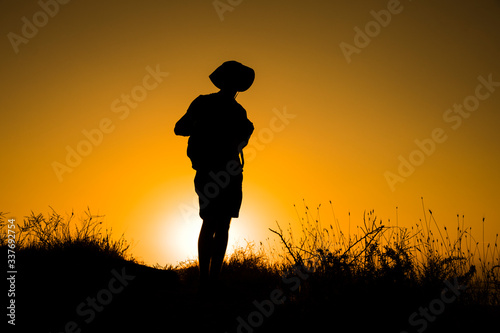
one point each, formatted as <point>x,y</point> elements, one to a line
<point>205,250</point>
<point>219,247</point>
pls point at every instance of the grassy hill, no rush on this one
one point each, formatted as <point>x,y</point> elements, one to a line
<point>78,278</point>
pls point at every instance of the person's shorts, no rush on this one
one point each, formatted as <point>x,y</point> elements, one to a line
<point>219,193</point>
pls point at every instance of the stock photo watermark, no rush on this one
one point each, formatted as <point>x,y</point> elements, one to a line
<point>266,308</point>
<point>220,180</point>
<point>30,27</point>
<point>363,37</point>
<point>88,309</point>
<point>122,106</point>
<point>454,117</point>
<point>222,6</point>
<point>420,319</point>
<point>11,272</point>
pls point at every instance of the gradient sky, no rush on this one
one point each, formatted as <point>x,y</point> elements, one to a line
<point>330,123</point>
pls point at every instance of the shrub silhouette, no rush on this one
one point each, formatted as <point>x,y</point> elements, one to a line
<point>381,273</point>
<point>385,271</point>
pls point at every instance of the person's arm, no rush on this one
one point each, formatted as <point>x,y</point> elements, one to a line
<point>248,130</point>
<point>184,126</point>
<point>245,130</point>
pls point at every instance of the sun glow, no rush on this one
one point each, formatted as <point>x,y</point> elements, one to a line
<point>166,223</point>
<point>174,227</point>
<point>180,239</point>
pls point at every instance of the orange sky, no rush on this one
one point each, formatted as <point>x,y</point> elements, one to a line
<point>342,93</point>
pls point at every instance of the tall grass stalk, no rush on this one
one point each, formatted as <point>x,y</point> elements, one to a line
<point>55,232</point>
<point>423,255</point>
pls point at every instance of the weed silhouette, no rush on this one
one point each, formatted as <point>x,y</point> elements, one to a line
<point>371,279</point>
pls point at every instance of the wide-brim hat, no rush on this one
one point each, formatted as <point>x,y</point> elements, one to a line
<point>233,75</point>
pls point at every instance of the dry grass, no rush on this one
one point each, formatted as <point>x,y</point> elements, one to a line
<point>423,256</point>
<point>54,232</point>
<point>380,273</point>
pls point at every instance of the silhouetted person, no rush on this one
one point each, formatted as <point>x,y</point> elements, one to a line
<point>218,129</point>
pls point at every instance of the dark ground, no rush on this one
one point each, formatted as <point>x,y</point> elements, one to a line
<point>54,294</point>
